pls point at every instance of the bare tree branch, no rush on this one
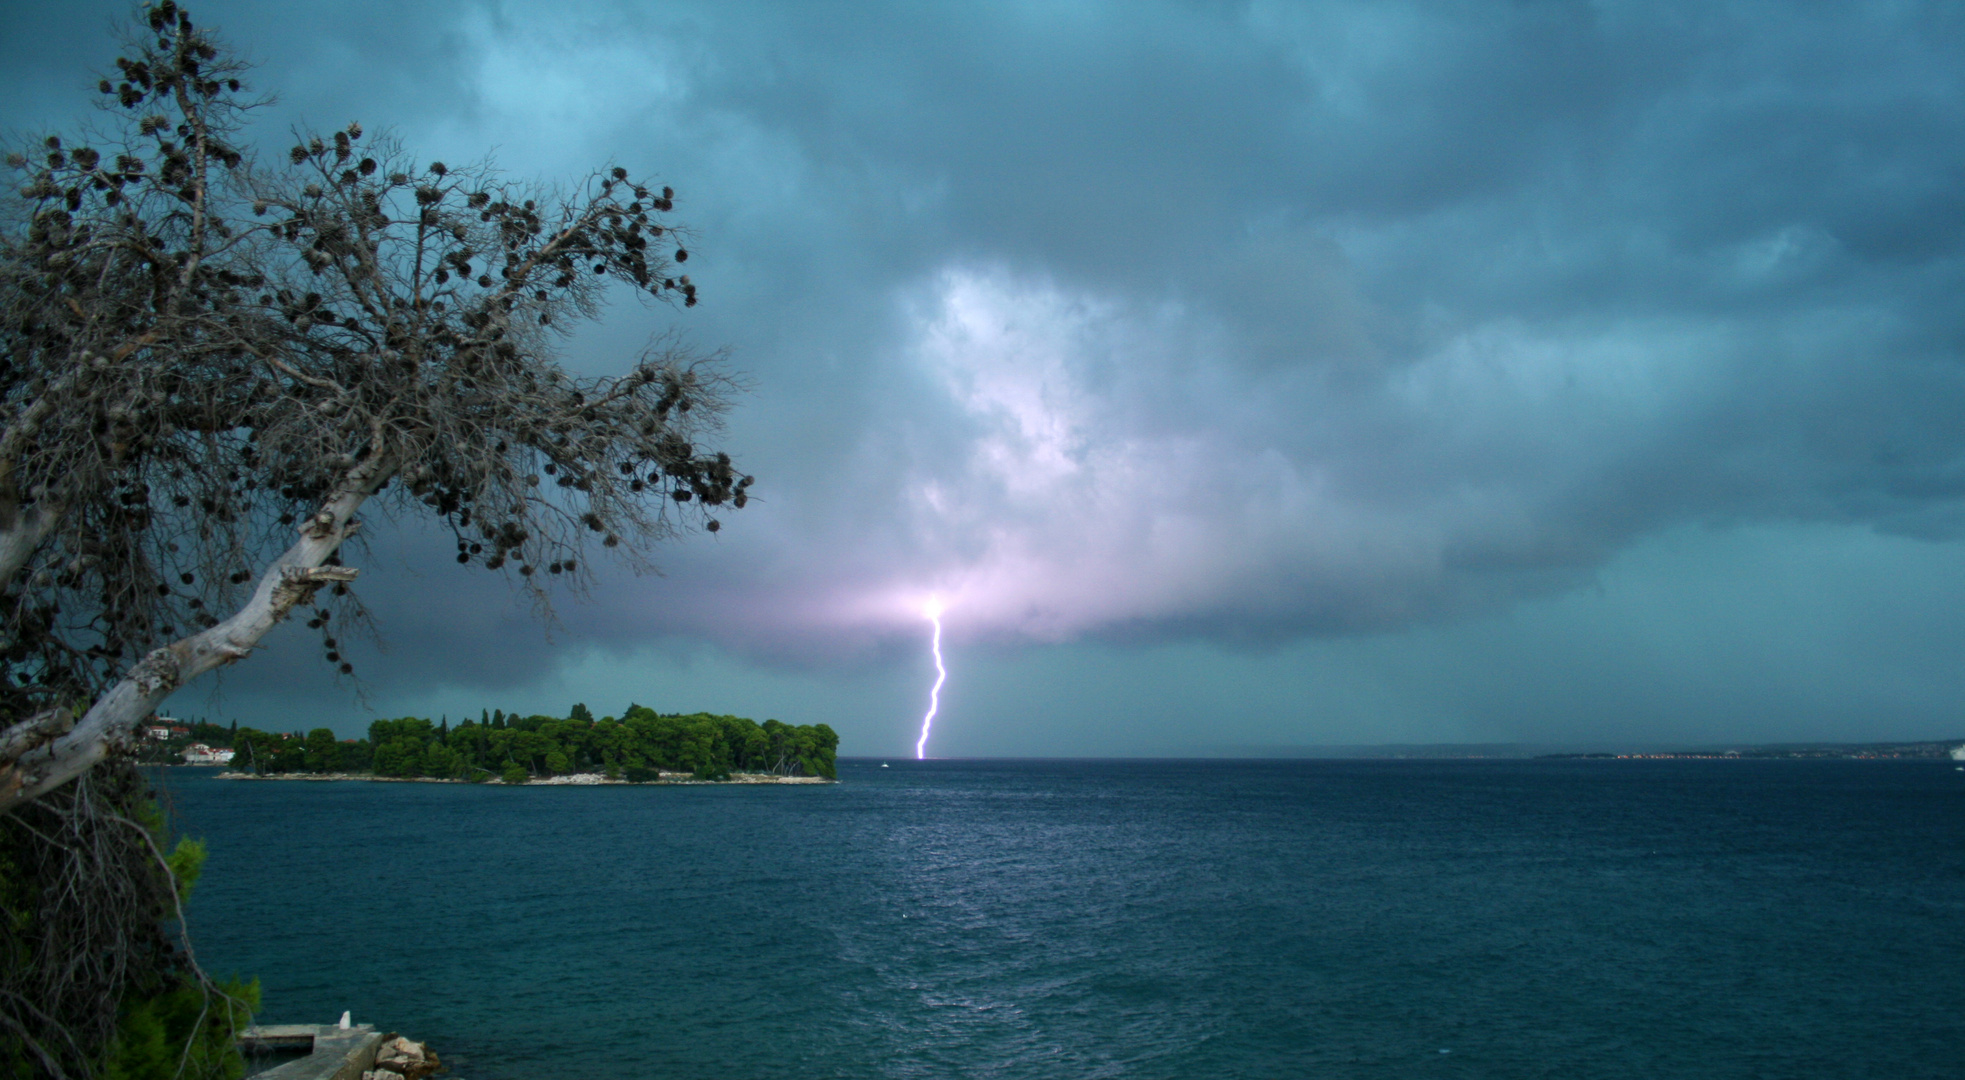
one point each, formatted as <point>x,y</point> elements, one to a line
<point>203,351</point>
<point>208,365</point>
<point>292,580</point>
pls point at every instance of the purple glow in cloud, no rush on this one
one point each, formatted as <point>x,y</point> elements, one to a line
<point>934,613</point>
<point>1079,469</point>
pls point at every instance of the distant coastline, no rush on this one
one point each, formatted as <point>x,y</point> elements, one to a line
<point>569,780</point>
<point>1942,750</point>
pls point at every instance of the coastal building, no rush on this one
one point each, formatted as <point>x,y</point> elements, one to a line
<point>200,754</point>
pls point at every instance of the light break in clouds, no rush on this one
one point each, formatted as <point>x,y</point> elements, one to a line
<point>1241,374</point>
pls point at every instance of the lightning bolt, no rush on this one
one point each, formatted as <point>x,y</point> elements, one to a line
<point>934,613</point>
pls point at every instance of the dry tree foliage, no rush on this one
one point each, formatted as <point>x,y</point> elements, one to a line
<point>209,364</point>
<point>203,355</point>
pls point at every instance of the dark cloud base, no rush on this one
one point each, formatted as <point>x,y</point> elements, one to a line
<point>1278,334</point>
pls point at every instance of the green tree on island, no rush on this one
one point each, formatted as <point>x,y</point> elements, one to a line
<point>212,363</point>
<point>640,745</point>
<point>323,753</point>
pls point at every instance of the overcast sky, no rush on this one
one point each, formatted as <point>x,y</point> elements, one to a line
<point>1243,376</point>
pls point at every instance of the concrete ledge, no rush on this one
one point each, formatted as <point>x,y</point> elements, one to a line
<point>338,1053</point>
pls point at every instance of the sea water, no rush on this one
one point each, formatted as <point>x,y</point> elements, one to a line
<point>1060,919</point>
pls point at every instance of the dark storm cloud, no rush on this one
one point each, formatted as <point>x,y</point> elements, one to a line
<point>1240,321</point>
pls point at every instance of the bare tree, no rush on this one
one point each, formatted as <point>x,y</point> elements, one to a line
<point>209,366</point>
<point>208,360</point>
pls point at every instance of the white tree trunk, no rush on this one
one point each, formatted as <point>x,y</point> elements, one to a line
<point>112,719</point>
<point>19,541</point>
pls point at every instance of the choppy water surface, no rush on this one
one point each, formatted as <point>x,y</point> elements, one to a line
<point>1119,919</point>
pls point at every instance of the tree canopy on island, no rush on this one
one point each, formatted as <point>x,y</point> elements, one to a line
<point>635,747</point>
<point>211,362</point>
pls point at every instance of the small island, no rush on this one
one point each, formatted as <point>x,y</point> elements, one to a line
<point>641,746</point>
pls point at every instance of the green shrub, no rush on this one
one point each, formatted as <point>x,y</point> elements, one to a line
<point>515,774</point>
<point>183,1033</point>
<point>92,983</point>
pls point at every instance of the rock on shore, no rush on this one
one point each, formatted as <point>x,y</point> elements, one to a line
<point>400,1059</point>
